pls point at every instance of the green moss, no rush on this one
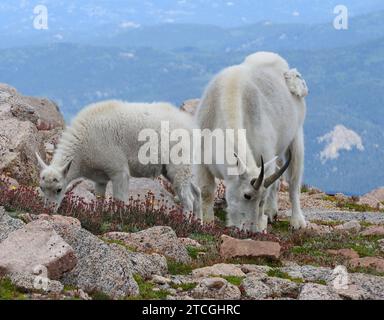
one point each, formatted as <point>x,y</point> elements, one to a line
<point>105,227</point>
<point>146,291</point>
<point>281,226</point>
<point>305,189</point>
<point>185,286</point>
<point>236,281</point>
<point>204,239</point>
<point>194,252</point>
<point>8,291</point>
<point>222,215</point>
<point>323,282</point>
<point>350,204</point>
<point>178,268</point>
<point>97,295</point>
<point>260,261</point>
<point>283,275</point>
<point>120,243</point>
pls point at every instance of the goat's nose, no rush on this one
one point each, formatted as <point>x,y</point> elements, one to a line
<point>247,197</point>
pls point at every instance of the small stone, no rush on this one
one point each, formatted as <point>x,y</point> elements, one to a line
<point>161,240</point>
<point>373,231</point>
<point>353,292</point>
<point>59,219</point>
<point>381,245</point>
<point>254,269</point>
<point>216,288</point>
<point>318,230</point>
<point>255,288</point>
<point>314,291</point>
<point>29,282</point>
<point>368,262</point>
<point>350,226</point>
<point>221,269</point>
<point>231,248</point>
<point>36,246</point>
<point>160,280</point>
<point>346,253</point>
<point>188,242</point>
<point>8,224</point>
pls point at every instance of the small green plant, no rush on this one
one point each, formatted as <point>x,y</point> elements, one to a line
<point>100,296</point>
<point>120,243</point>
<point>184,286</point>
<point>194,252</point>
<point>236,281</point>
<point>305,188</point>
<point>8,291</point>
<point>178,268</point>
<point>222,215</point>
<point>146,290</point>
<point>204,239</point>
<point>283,275</point>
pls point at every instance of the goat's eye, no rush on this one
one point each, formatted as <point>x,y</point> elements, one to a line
<point>59,191</point>
<point>247,197</point>
<point>55,180</point>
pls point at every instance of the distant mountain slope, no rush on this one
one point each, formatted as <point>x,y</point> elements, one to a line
<point>347,88</point>
<point>132,23</point>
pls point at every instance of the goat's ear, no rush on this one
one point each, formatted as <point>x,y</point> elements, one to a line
<point>66,168</point>
<point>241,166</point>
<point>41,162</point>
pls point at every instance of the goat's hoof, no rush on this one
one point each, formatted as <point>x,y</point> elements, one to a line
<point>298,223</point>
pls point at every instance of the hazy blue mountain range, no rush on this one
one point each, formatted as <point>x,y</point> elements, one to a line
<point>73,21</point>
<point>173,62</point>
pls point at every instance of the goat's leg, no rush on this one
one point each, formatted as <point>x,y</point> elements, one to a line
<point>100,189</point>
<point>120,184</point>
<point>261,219</point>
<point>295,173</point>
<point>271,205</point>
<point>207,185</point>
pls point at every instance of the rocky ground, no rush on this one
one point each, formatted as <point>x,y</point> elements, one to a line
<point>98,250</point>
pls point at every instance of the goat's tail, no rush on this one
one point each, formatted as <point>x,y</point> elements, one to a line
<point>296,84</point>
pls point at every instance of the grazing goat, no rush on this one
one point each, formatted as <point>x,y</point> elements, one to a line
<point>264,97</point>
<point>103,145</point>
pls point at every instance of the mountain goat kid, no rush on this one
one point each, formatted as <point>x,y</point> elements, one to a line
<point>103,145</point>
<point>264,97</point>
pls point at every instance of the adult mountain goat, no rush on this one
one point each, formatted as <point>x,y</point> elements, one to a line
<point>264,97</point>
<point>103,145</point>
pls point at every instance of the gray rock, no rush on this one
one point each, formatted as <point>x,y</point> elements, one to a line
<point>8,224</point>
<point>31,283</point>
<point>100,267</point>
<point>216,288</point>
<point>342,216</point>
<point>145,265</point>
<point>221,269</point>
<point>308,273</point>
<point>36,248</point>
<point>282,287</point>
<point>162,240</point>
<point>255,288</point>
<point>314,291</point>
<point>27,125</point>
<point>371,286</point>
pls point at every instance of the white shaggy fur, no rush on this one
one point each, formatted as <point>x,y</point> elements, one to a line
<point>102,145</point>
<point>265,97</point>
